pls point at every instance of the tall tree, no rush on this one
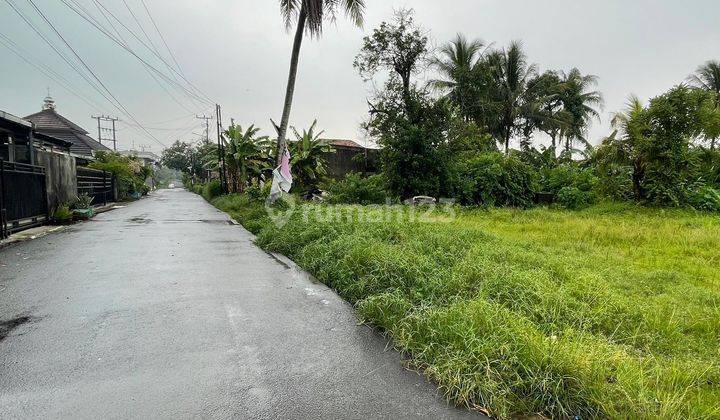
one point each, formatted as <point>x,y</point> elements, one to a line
<point>546,112</point>
<point>510,73</point>
<point>580,103</point>
<point>707,77</point>
<point>457,63</point>
<point>400,47</point>
<point>310,16</point>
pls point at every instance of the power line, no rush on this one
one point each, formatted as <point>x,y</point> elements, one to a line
<point>54,48</point>
<point>128,49</point>
<point>162,38</point>
<point>47,71</point>
<point>67,44</point>
<point>127,45</point>
<point>206,98</point>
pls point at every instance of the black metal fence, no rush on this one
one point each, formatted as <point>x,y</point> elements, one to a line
<point>23,197</point>
<point>99,185</point>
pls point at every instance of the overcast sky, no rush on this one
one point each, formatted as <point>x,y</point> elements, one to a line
<point>237,52</point>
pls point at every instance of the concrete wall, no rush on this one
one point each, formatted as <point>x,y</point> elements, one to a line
<point>61,177</point>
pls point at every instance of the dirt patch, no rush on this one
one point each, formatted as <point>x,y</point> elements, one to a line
<point>7,326</point>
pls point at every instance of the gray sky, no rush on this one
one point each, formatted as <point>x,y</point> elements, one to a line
<point>237,52</point>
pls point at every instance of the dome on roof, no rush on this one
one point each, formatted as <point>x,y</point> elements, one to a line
<point>48,103</point>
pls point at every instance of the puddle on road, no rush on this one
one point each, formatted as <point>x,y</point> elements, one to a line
<point>6,327</point>
<point>139,220</point>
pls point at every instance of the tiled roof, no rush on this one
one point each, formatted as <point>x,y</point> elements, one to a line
<point>53,124</point>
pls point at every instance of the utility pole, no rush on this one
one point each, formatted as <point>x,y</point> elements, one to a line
<point>207,126</point>
<point>101,129</point>
<point>221,150</point>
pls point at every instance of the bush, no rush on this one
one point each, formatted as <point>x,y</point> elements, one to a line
<point>357,189</point>
<point>129,173</point>
<point>212,189</point>
<point>573,198</point>
<point>492,179</point>
<point>705,198</point>
<point>258,193</point>
<point>62,213</point>
<point>571,186</point>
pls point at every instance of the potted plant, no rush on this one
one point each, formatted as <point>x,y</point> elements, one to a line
<point>82,207</point>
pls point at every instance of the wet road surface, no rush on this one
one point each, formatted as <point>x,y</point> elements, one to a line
<point>164,309</point>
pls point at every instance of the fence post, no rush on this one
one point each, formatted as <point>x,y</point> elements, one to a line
<point>45,197</point>
<point>104,189</point>
<point>3,225</point>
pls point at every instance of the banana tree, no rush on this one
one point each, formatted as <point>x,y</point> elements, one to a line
<point>309,152</point>
<point>248,157</point>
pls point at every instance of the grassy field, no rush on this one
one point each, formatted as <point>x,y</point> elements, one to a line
<point>612,311</point>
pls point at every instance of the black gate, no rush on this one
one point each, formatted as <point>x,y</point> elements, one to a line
<point>23,197</point>
<point>99,185</point>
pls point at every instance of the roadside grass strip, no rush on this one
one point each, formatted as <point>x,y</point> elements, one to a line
<point>613,311</point>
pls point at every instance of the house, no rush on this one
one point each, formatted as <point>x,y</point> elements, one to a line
<point>36,172</point>
<point>349,157</point>
<point>147,158</point>
<point>49,123</point>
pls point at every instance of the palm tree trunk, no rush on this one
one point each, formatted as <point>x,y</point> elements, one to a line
<point>297,43</point>
<point>507,142</point>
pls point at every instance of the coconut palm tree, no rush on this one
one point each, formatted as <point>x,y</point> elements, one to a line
<point>580,104</point>
<point>456,64</point>
<point>624,146</point>
<point>310,16</point>
<point>546,111</point>
<point>707,77</point>
<point>510,73</point>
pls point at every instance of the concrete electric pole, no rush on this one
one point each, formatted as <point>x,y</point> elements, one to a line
<point>101,129</point>
<point>207,126</point>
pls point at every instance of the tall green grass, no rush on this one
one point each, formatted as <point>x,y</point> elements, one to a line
<point>613,311</point>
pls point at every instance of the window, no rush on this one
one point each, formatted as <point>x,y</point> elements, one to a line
<point>4,146</point>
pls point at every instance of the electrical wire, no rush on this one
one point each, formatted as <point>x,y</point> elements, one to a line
<point>125,47</point>
<point>207,98</point>
<point>87,67</point>
<point>90,16</point>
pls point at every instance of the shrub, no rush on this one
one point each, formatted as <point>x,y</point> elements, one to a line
<point>212,189</point>
<point>82,201</point>
<point>574,198</point>
<point>357,189</point>
<point>129,173</point>
<point>705,198</point>
<point>571,186</point>
<point>495,180</point>
<point>62,213</point>
<point>258,193</point>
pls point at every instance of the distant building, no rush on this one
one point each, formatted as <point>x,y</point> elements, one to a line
<point>349,157</point>
<point>147,158</point>
<point>50,123</point>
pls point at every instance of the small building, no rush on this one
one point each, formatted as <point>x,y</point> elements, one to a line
<point>147,158</point>
<point>48,122</point>
<point>349,157</point>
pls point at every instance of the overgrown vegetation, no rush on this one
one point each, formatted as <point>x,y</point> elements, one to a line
<point>602,302</point>
<point>129,172</point>
<point>607,312</point>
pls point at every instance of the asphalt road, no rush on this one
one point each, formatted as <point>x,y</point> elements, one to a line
<point>164,309</point>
